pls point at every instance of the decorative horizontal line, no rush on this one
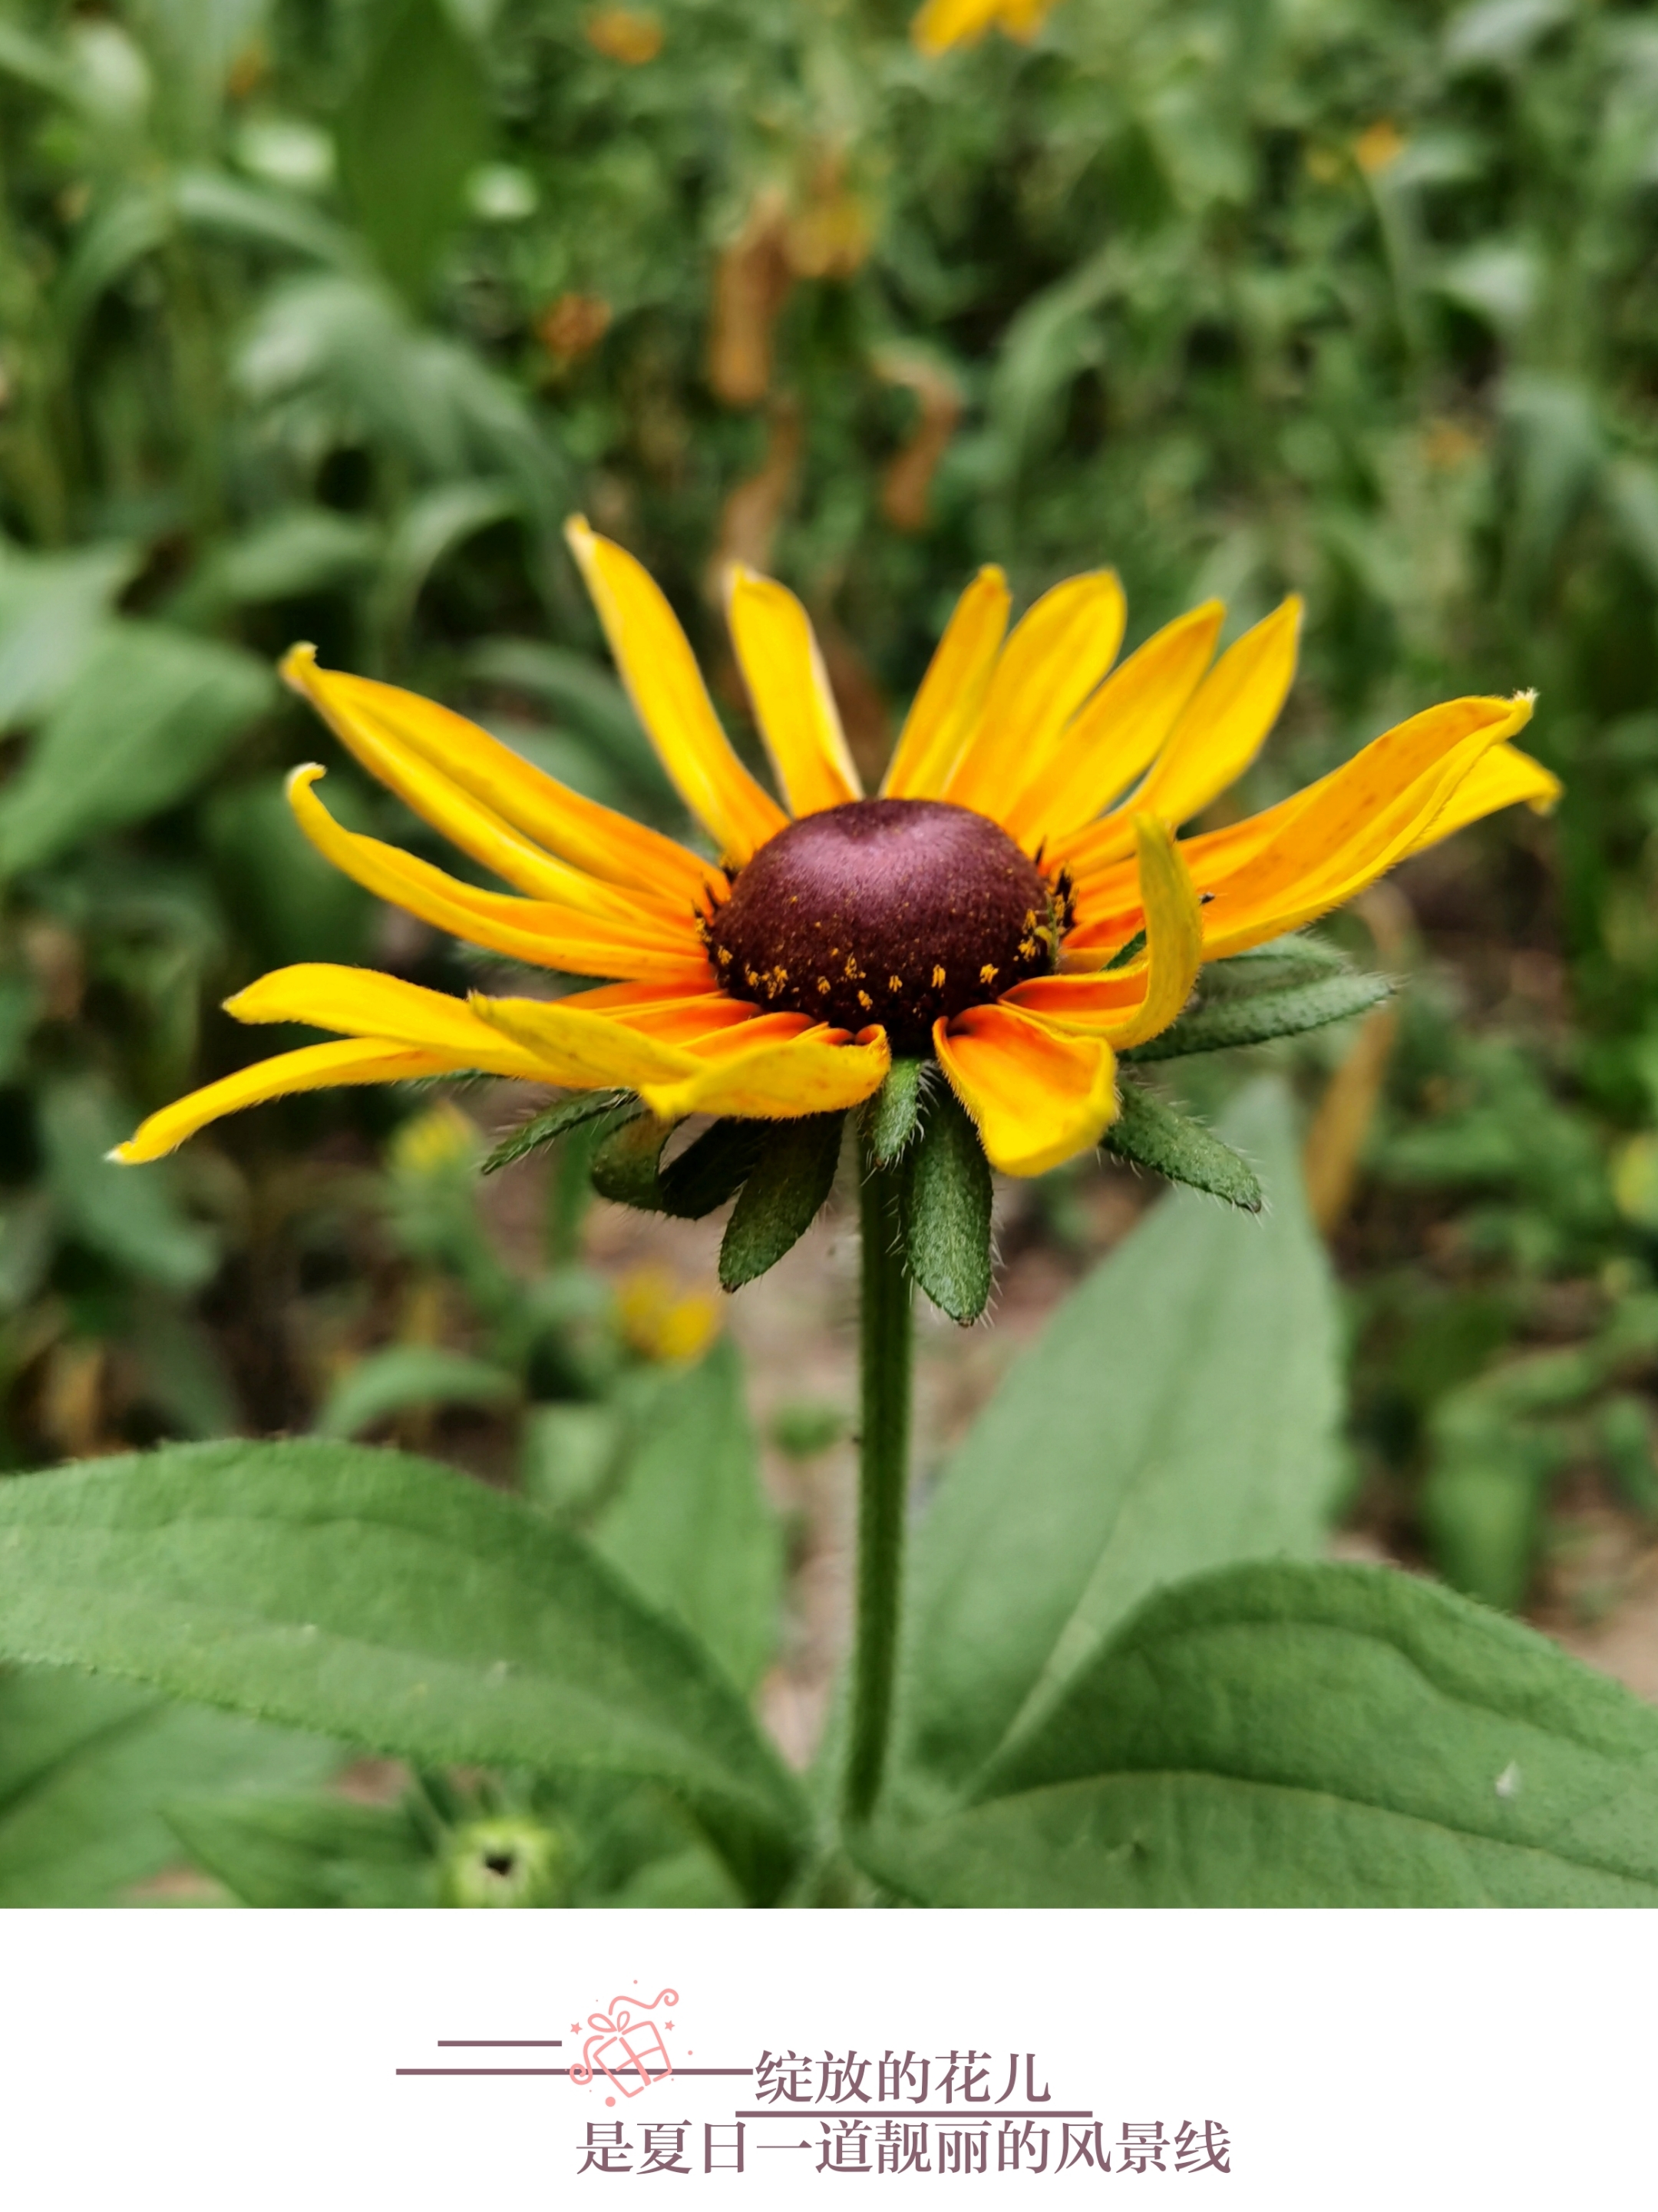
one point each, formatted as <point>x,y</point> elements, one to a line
<point>905,2112</point>
<point>500,2043</point>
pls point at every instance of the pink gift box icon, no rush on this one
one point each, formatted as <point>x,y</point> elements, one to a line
<point>627,2049</point>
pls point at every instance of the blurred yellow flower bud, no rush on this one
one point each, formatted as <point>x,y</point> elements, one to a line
<point>632,36</point>
<point>662,1322</point>
<point>440,1137</point>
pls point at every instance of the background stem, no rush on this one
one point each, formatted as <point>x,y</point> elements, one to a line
<point>885,1359</point>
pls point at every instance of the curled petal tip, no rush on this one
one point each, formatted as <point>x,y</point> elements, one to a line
<point>296,665</point>
<point>121,1154</point>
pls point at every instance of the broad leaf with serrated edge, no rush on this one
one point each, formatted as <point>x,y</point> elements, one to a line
<point>691,1529</point>
<point>1292,1735</point>
<point>1179,1411</point>
<point>386,1600</point>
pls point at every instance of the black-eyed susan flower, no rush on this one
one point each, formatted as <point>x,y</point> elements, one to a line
<point>943,23</point>
<point>1013,906</point>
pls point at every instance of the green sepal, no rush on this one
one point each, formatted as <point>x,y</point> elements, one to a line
<point>890,1117</point>
<point>1273,967</point>
<point>946,1210</point>
<point>712,1169</point>
<point>553,1122</point>
<point>791,1178</point>
<point>1125,953</point>
<point>624,1166</point>
<point>1156,1135</point>
<point>1220,1023</point>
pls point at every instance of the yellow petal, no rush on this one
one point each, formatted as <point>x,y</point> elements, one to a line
<point>583,1050</point>
<point>382,725</point>
<point>1160,981</point>
<point>546,935</point>
<point>1057,652</point>
<point>314,1067</point>
<point>360,1002</point>
<point>659,668</point>
<point>1215,739</point>
<point>947,707</point>
<point>1502,777</point>
<point>1120,731</point>
<point>1311,830</point>
<point>792,702</point>
<point>1037,1095</point>
<point>818,1071</point>
<point>681,1017</point>
<point>944,23</point>
<point>1301,875</point>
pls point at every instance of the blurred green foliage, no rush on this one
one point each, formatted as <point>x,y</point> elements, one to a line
<point>316,318</point>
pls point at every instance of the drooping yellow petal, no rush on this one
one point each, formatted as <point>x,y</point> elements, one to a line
<point>1035,1095</point>
<point>314,1067</point>
<point>361,1003</point>
<point>792,702</point>
<point>382,725</point>
<point>1120,731</point>
<point>1057,652</point>
<point>1138,1002</point>
<point>581,1049</point>
<point>947,707</point>
<point>546,935</point>
<point>659,670</point>
<point>816,1071</point>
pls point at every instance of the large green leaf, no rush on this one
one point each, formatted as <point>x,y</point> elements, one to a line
<point>149,713</point>
<point>85,1766</point>
<point>413,126</point>
<point>1281,1734</point>
<point>691,1528</point>
<point>1177,1412</point>
<point>383,1599</point>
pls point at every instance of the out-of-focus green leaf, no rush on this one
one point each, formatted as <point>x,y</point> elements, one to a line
<point>430,529</point>
<point>1178,1411</point>
<point>85,1767</point>
<point>411,130</point>
<point>1297,1735</point>
<point>52,608</point>
<point>298,550</point>
<point>385,1600</point>
<point>306,1852</point>
<point>148,714</point>
<point>403,1376</point>
<point>129,1214</point>
<point>220,206</point>
<point>690,1527</point>
<point>578,691</point>
<point>292,904</point>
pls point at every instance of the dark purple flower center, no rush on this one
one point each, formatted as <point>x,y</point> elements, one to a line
<point>888,910</point>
